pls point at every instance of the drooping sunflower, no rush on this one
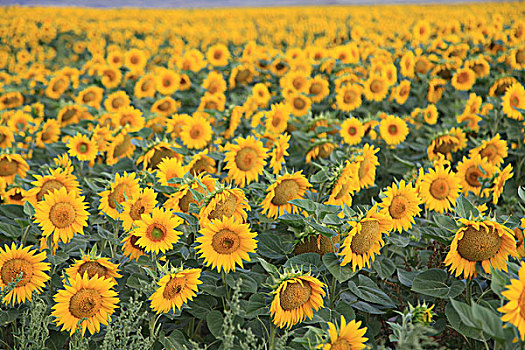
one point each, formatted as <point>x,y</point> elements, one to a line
<point>6,136</point>
<point>201,163</point>
<point>94,266</point>
<point>90,300</point>
<point>345,185</point>
<point>464,79</point>
<point>145,86</point>
<point>393,130</point>
<point>283,190</point>
<point>168,169</point>
<point>439,189</point>
<point>514,310</point>
<point>15,195</point>
<point>278,152</point>
<point>12,165</point>
<point>225,243</point>
<point>62,214</point>
<point>138,205</point>
<point>26,263</point>
<point>124,186</point>
<point>82,147</point>
<point>482,241</point>
<point>245,160</point>
<point>130,247</point>
<point>50,133</point>
<point>513,100</point>
<point>348,97</point>
<point>295,299</point>
<point>196,132</point>
<point>352,131</point>
<point>320,149</point>
<point>349,337</point>
<point>156,154</point>
<point>494,150</point>
<point>277,118</point>
<point>225,203</point>
<point>401,203</point>
<point>156,231</point>
<point>175,289</point>
<point>57,179</point>
<point>499,183</point>
<point>368,163</point>
<point>180,201</point>
<point>402,92</point>
<point>364,240</point>
<point>165,106</point>
<point>119,147</point>
<point>471,170</point>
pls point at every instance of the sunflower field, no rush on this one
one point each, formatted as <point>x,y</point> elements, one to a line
<point>263,178</point>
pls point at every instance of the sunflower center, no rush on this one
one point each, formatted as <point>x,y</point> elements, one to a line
<point>439,188</point>
<point>117,195</point>
<point>349,97</point>
<point>299,103</point>
<point>195,132</point>
<point>316,89</point>
<point>344,189</point>
<point>341,344</point>
<point>445,147</point>
<point>69,114</point>
<point>376,86</point>
<point>366,237</point>
<point>117,102</point>
<point>122,147</point>
<point>88,97</point>
<point>62,214</point>
<point>156,232</point>
<point>85,303</point>
<point>225,208</point>
<point>276,120</point>
<point>46,135</point>
<point>137,209</point>
<point>479,245</point>
<point>133,241</point>
<point>8,167</point>
<point>82,147</point>
<point>392,129</point>
<point>164,106</point>
<point>325,151</point>
<point>490,151</point>
<point>184,202</point>
<point>519,236</point>
<point>134,60</point>
<point>295,295</point>
<point>364,167</point>
<point>148,84</point>
<point>463,77</point>
<point>201,166</point>
<point>242,76</point>
<point>2,138</point>
<point>92,268</point>
<point>298,84</point>
<point>398,207</point>
<point>285,191</point>
<point>12,269</point>
<point>159,155</point>
<point>48,186</point>
<point>173,288</point>
<point>514,101</point>
<point>472,176</point>
<point>520,56</point>
<point>352,130</point>
<point>246,158</point>
<point>225,242</point>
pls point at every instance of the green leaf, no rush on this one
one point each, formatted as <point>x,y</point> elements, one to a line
<point>255,306</point>
<point>305,204</point>
<point>445,222</point>
<point>201,306</point>
<point>406,277</point>
<point>292,219</point>
<point>332,219</point>
<point>310,260</point>
<point>384,267</point>
<point>369,291</point>
<point>432,282</point>
<point>319,177</point>
<point>341,273</point>
<point>271,269</point>
<point>488,321</point>
<point>500,280</point>
<point>214,320</point>
<point>272,246</point>
<point>28,209</point>
<point>521,193</point>
<point>465,208</point>
<point>248,285</point>
<point>325,231</point>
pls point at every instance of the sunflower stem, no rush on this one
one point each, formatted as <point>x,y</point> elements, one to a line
<point>469,292</point>
<point>24,236</point>
<point>273,329</point>
<point>332,292</point>
<point>227,297</point>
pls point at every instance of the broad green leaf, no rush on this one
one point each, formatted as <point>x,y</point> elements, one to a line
<point>214,320</point>
<point>384,266</point>
<point>432,282</point>
<point>341,273</point>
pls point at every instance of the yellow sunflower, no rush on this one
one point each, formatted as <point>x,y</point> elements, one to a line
<point>401,203</point>
<point>135,60</point>
<point>499,182</point>
<point>116,100</point>
<point>6,136</point>
<point>368,163</point>
<point>348,97</point>
<point>464,79</point>
<point>513,100</point>
<point>196,132</point>
<point>514,310</point>
<point>225,203</point>
<point>284,189</point>
<point>375,88</point>
<point>484,241</point>
<point>352,131</point>
<point>82,147</point>
<point>12,165</point>
<point>50,133</point>
<point>130,247</point>
<point>123,187</point>
<point>180,201</point>
<point>98,266</point>
<point>226,243</point>
<point>364,240</point>
<point>145,87</point>
<point>279,150</point>
<point>277,118</point>
<point>295,299</point>
<point>26,263</point>
<point>245,160</point>
<point>402,92</point>
<point>201,163</point>
<point>168,169</point>
<point>218,55</point>
<point>349,337</point>
<point>57,179</point>
<point>471,170</point>
<point>175,289</point>
<point>119,147</point>
<point>88,301</point>
<point>167,81</point>
<point>321,149</point>
<point>345,185</point>
<point>393,130</point>
<point>494,150</point>
<point>62,214</point>
<point>439,189</point>
<point>142,203</point>
<point>318,88</point>
<point>156,154</point>
<point>156,231</point>
<point>165,106</point>
<point>129,118</point>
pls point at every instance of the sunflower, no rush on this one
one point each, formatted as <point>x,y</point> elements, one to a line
<point>514,310</point>
<point>430,114</point>
<point>402,92</point>
<point>517,58</point>
<point>90,301</point>
<point>124,187</point>
<point>175,289</point>
<point>299,103</point>
<point>295,299</point>
<point>277,118</point>
<point>439,189</point>
<point>368,163</point>
<point>91,96</point>
<point>135,60</point>
<point>146,86</point>
<point>393,130</point>
<point>484,241</point>
<point>321,149</point>
<point>436,87</point>
<point>119,147</point>
<point>180,201</point>
<point>82,147</point>
<point>345,185</point>
<point>241,75</point>
<point>156,231</point>
<point>494,150</point>
<point>70,114</point>
<point>261,94</point>
<point>214,83</point>
<point>50,133</point>
<point>43,185</point>
<point>364,240</point>
<point>352,131</point>
<point>350,336</point>
<point>12,165</point>
<point>318,88</point>
<point>165,106</point>
<point>348,97</point>
<point>26,263</point>
<point>15,195</point>
<point>500,86</point>
<point>98,266</point>
<point>225,203</point>
<point>225,243</point>
<point>464,79</point>
<point>130,247</point>
<point>156,154</point>
<point>140,204</point>
<point>57,86</point>
<point>218,55</point>
<point>278,152</point>
<point>129,118</point>
<point>110,77</point>
<point>513,100</point>
<point>201,163</point>
<point>245,160</point>
<point>401,203</point>
<point>499,182</point>
<point>281,192</point>
<point>471,170</point>
<point>168,169</point>
<point>62,214</point>
<point>6,137</point>
<point>167,81</point>
<point>375,88</point>
<point>196,132</point>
